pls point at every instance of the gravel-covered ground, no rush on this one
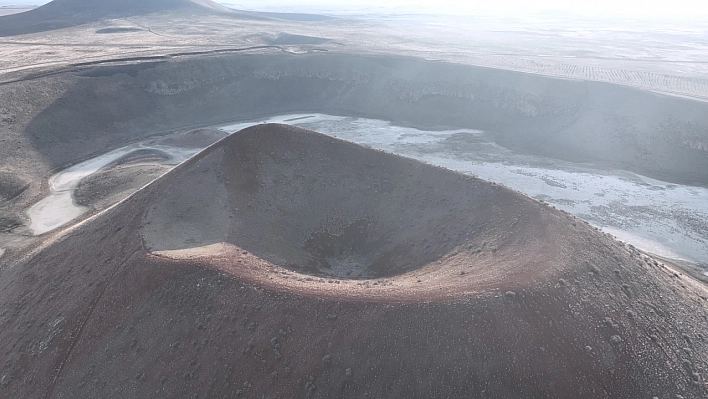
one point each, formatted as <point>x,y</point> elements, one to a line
<point>249,271</point>
<point>499,295</point>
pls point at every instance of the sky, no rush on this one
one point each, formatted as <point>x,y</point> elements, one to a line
<point>594,8</point>
<point>672,9</point>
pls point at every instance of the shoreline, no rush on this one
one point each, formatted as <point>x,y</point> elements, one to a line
<point>306,119</point>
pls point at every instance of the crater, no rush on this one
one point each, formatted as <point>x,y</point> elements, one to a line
<point>349,251</point>
<point>356,250</point>
<point>274,201</point>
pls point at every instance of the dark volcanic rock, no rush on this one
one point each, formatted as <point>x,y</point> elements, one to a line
<point>121,307</point>
<point>65,13</point>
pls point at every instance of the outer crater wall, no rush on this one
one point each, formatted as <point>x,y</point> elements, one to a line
<point>659,136</point>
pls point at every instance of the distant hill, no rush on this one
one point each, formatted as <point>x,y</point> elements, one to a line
<point>60,14</point>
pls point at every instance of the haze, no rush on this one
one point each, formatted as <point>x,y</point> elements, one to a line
<point>603,8</point>
<point>630,9</point>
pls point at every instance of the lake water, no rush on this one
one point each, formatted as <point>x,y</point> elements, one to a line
<point>666,219</point>
<point>59,208</point>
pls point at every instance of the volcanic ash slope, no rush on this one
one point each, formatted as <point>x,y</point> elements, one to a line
<point>284,263</point>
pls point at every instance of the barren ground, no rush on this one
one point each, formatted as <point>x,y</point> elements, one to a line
<point>499,295</point>
<point>247,271</point>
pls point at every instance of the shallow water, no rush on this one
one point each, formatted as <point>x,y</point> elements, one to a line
<point>666,219</point>
<point>58,208</point>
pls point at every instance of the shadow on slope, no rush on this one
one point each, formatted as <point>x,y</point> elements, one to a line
<point>320,206</point>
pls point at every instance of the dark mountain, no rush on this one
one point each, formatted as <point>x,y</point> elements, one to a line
<point>66,13</point>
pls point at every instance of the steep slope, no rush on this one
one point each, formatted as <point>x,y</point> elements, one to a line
<point>284,263</point>
<point>65,13</point>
